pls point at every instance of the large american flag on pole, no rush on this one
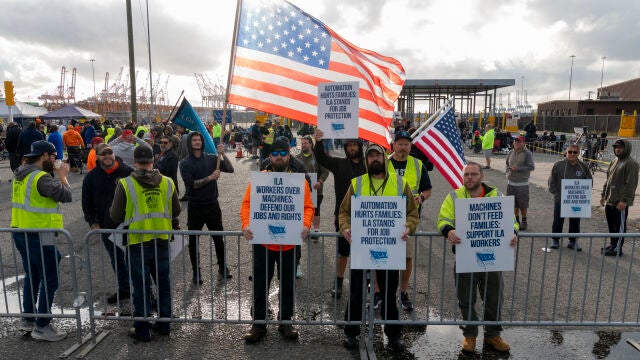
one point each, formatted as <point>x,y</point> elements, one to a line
<point>441,142</point>
<point>282,53</point>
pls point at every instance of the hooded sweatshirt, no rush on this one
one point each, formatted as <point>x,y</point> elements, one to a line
<point>98,188</point>
<point>194,169</point>
<point>47,185</point>
<point>110,132</point>
<point>124,150</point>
<point>147,179</point>
<point>622,178</point>
<point>343,170</point>
<point>564,170</point>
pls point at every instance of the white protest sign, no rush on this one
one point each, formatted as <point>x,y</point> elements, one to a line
<point>338,109</point>
<point>277,208</point>
<point>377,224</point>
<point>314,192</point>
<point>485,226</point>
<point>575,198</point>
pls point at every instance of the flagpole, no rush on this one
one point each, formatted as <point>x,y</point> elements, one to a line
<point>232,59</point>
<point>174,106</point>
<point>431,118</point>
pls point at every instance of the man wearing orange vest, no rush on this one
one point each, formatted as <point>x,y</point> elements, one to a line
<point>266,256</point>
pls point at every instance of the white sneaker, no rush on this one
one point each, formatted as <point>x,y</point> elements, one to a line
<point>26,325</point>
<point>298,272</point>
<point>48,333</point>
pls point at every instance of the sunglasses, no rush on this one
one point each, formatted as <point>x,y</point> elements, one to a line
<point>106,152</point>
<point>281,153</point>
<point>572,152</point>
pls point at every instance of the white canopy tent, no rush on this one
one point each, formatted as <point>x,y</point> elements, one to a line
<point>21,111</point>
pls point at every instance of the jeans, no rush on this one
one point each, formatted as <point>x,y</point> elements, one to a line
<point>388,283</point>
<point>467,287</point>
<point>558,223</point>
<point>40,264</point>
<point>263,269</point>
<point>197,216</point>
<point>150,257</point>
<point>118,263</point>
<point>617,221</point>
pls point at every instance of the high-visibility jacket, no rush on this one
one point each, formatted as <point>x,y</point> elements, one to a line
<point>216,131</point>
<point>29,209</point>
<point>487,139</point>
<point>393,187</point>
<point>268,139</point>
<point>447,215</point>
<point>148,209</point>
<point>412,173</point>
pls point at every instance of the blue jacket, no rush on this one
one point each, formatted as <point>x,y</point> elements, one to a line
<point>56,139</point>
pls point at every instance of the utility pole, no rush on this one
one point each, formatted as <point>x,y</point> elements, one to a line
<point>93,75</point>
<point>571,75</point>
<point>601,76</point>
<point>132,66</point>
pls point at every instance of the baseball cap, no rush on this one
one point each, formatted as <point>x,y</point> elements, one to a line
<point>519,138</point>
<point>280,143</point>
<point>127,132</point>
<point>374,147</point>
<point>618,142</point>
<point>40,147</point>
<point>402,135</point>
<point>143,155</point>
<point>97,140</point>
<point>102,147</point>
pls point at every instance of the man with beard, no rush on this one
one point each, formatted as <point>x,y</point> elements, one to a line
<point>343,170</point>
<point>489,284</point>
<point>378,181</point>
<point>98,188</point>
<point>415,173</point>
<point>167,160</point>
<point>35,204</point>
<point>266,256</point>
<point>200,173</point>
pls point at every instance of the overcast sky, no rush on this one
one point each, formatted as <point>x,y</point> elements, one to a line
<point>433,39</point>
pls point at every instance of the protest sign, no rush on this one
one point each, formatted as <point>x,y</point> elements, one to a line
<point>575,198</point>
<point>277,208</point>
<point>338,109</point>
<point>377,224</point>
<point>485,226</point>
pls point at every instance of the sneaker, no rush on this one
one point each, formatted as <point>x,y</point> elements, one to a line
<point>141,338</point>
<point>573,246</point>
<point>405,302</point>
<point>119,295</point>
<point>255,334</point>
<point>288,331</point>
<point>523,226</point>
<point>555,245</point>
<point>377,301</point>
<point>161,328</point>
<point>497,343</point>
<point>26,325</point>
<point>225,274</point>
<point>397,344</point>
<point>48,333</point>
<point>602,250</point>
<point>350,342</point>
<point>298,272</point>
<point>612,252</point>
<point>469,344</point>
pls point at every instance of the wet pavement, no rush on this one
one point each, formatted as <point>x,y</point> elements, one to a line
<point>219,341</point>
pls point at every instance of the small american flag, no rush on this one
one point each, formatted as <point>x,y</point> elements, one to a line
<point>441,142</point>
<point>282,53</point>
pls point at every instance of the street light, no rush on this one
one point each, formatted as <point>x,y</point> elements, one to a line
<point>571,75</point>
<point>601,76</point>
<point>93,74</point>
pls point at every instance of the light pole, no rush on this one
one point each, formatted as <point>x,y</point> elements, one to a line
<point>93,75</point>
<point>601,75</point>
<point>571,75</point>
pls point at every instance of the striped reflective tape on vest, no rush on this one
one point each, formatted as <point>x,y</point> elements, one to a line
<point>152,215</point>
<point>27,200</point>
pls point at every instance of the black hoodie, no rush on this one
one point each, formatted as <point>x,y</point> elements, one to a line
<point>98,188</point>
<point>196,168</point>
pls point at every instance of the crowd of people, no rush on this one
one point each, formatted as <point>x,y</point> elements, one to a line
<point>130,163</point>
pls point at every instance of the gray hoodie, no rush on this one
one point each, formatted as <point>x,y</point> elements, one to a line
<point>124,150</point>
<point>622,178</point>
<point>47,186</point>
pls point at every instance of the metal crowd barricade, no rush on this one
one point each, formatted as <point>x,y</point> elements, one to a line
<point>66,306</point>
<point>218,300</point>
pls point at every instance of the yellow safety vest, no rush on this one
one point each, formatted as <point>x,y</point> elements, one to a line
<point>412,173</point>
<point>269,138</point>
<point>29,209</point>
<point>148,209</point>
<point>393,187</point>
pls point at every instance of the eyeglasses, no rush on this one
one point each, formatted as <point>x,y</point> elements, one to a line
<point>572,152</point>
<point>281,153</point>
<point>106,152</point>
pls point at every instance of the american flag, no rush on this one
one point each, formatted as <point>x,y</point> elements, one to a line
<point>441,142</point>
<point>282,53</point>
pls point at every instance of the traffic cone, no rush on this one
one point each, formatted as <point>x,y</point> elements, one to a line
<point>239,153</point>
